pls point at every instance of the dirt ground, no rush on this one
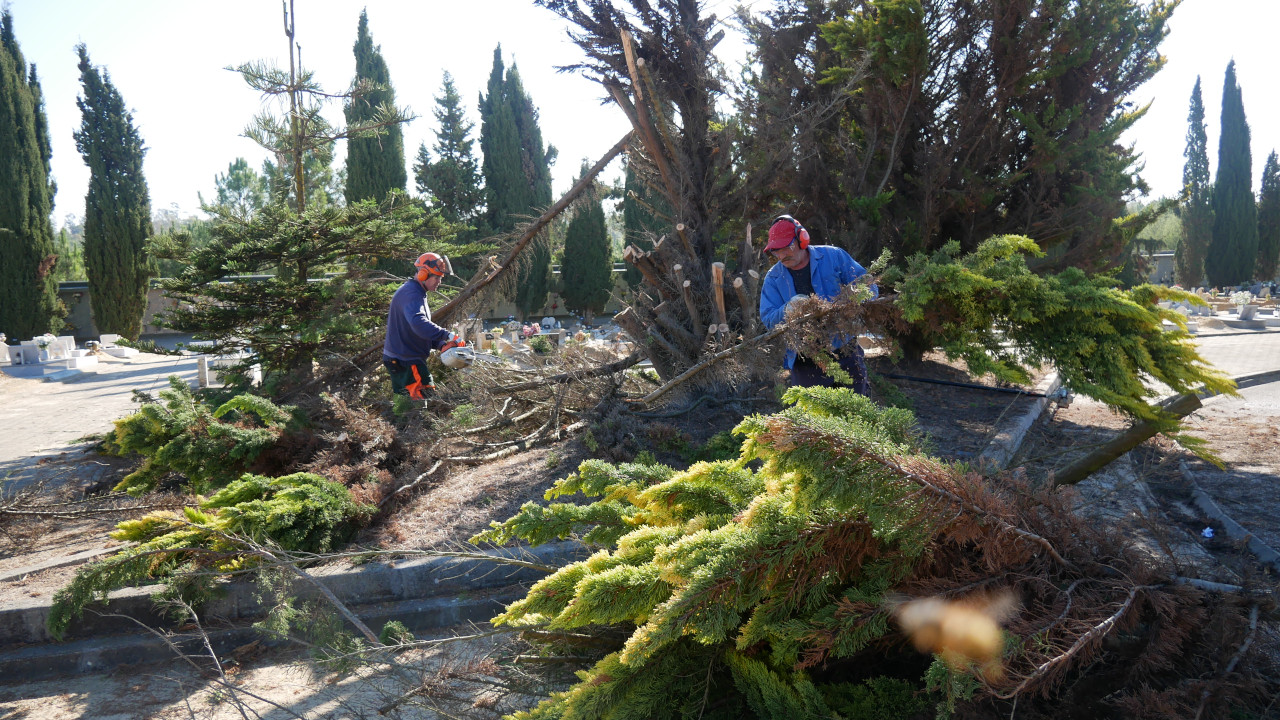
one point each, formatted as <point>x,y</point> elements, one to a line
<point>957,421</point>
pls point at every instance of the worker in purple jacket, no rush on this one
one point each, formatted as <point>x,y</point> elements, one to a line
<point>803,269</point>
<point>411,336</point>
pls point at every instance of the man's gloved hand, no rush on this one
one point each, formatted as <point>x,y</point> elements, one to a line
<point>790,310</point>
<point>453,342</point>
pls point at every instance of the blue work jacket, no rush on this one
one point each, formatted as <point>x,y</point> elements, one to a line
<point>410,333</point>
<point>830,268</point>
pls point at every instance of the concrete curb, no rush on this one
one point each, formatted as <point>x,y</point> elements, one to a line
<point>364,585</point>
<point>1265,553</point>
<point>1004,446</point>
<point>100,654</point>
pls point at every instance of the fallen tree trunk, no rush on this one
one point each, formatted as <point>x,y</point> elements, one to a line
<point>1176,408</point>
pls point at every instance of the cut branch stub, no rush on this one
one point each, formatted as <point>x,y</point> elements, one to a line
<point>717,291</point>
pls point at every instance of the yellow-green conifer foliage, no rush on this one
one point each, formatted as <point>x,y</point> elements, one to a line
<point>302,512</point>
<point>988,308</point>
<point>770,592</point>
<point>209,447</point>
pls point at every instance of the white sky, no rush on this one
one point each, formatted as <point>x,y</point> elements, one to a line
<point>166,57</point>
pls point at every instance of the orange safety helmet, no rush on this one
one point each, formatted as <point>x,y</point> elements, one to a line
<point>429,264</point>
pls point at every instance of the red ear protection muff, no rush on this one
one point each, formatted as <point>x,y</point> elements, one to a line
<point>429,264</point>
<point>802,235</point>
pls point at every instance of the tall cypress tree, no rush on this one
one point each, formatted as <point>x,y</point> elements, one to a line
<point>375,165</point>
<point>1196,209</point>
<point>28,292</point>
<point>535,165</point>
<point>587,271</point>
<point>506,193</point>
<point>453,179</point>
<point>517,173</point>
<point>117,213</point>
<point>1269,219</point>
<point>1234,247</point>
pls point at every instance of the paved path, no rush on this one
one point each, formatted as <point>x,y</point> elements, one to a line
<point>1241,353</point>
<point>45,422</point>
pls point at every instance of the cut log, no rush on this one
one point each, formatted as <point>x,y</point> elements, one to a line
<point>717,292</point>
<point>690,304</point>
<point>1176,407</point>
<point>644,262</point>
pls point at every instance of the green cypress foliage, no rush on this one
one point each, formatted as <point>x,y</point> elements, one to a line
<point>117,209</point>
<point>517,174</point>
<point>1196,210</point>
<point>535,162</point>
<point>1234,247</point>
<point>586,274</point>
<point>29,303</point>
<point>453,179</point>
<point>640,225</point>
<point>375,164</point>
<point>506,194</point>
<point>1269,219</point>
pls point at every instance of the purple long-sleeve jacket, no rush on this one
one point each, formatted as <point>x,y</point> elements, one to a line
<point>410,333</point>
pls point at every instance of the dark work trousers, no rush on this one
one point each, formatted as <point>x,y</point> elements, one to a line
<point>409,378</point>
<point>805,373</point>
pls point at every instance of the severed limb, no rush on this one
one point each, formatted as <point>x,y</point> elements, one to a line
<point>1172,409</point>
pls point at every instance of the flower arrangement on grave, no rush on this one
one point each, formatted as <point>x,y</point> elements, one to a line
<point>44,341</point>
<point>1241,298</point>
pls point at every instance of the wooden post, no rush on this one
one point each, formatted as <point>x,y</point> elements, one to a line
<point>717,291</point>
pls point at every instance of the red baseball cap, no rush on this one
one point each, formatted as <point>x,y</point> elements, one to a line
<point>781,234</point>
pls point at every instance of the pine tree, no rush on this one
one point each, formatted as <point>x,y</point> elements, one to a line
<point>1196,209</point>
<point>29,302</point>
<point>241,188</point>
<point>375,165</point>
<point>586,274</point>
<point>453,179</point>
<point>302,140</point>
<point>117,213</point>
<point>1269,219</point>
<point>1234,247</point>
<point>517,174</point>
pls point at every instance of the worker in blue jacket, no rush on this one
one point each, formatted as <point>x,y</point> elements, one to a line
<point>411,336</point>
<point>803,269</point>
